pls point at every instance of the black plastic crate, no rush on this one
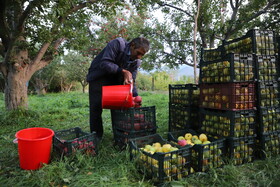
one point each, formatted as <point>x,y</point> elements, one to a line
<point>231,68</point>
<point>211,54</point>
<point>183,117</point>
<point>69,141</point>
<point>184,94</point>
<point>219,123</point>
<point>121,138</point>
<point>268,119</point>
<point>278,45</point>
<point>268,94</point>
<point>267,68</point>
<point>160,164</point>
<point>228,96</point>
<point>241,150</point>
<point>134,119</point>
<point>259,42</point>
<point>206,155</point>
<point>268,145</point>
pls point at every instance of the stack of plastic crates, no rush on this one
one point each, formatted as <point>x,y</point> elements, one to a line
<point>132,123</point>
<point>229,91</point>
<point>268,99</point>
<point>183,107</point>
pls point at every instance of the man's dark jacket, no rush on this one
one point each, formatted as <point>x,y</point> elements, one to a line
<point>111,60</point>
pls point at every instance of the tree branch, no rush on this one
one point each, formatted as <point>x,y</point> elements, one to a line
<point>37,62</point>
<point>177,8</point>
<point>4,34</point>
<point>257,14</point>
<point>170,40</point>
<point>26,13</point>
<point>75,9</point>
<point>182,61</point>
<point>272,23</point>
<point>58,42</point>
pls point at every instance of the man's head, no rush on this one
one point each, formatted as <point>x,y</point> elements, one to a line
<point>139,47</point>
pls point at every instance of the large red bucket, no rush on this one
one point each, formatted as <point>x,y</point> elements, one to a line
<point>34,147</point>
<point>117,97</point>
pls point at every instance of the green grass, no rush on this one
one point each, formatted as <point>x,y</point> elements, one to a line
<point>111,167</point>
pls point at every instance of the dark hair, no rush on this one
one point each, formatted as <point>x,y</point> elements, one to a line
<point>141,42</point>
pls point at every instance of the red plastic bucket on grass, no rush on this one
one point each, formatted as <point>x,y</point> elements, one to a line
<point>34,147</point>
<point>117,97</point>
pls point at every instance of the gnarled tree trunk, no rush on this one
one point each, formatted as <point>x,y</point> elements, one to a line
<point>16,90</point>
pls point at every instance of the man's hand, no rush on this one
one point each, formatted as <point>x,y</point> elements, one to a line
<point>127,76</point>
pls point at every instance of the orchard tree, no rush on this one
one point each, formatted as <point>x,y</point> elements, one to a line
<point>43,78</point>
<point>126,23</point>
<point>76,67</point>
<point>217,20</point>
<point>31,33</point>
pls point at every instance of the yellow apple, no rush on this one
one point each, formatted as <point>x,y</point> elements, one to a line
<point>203,137</point>
<point>180,138</point>
<point>188,136</point>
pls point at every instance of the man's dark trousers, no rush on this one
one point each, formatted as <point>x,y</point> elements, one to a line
<point>95,102</point>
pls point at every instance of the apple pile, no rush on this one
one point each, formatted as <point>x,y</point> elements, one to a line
<point>189,139</point>
<point>211,153</point>
<point>175,165</point>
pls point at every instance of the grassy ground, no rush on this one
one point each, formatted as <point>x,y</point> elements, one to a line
<point>111,167</point>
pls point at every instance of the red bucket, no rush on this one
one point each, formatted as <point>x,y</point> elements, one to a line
<point>34,147</point>
<point>117,97</point>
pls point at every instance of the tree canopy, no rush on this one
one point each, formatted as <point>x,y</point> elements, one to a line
<point>218,20</point>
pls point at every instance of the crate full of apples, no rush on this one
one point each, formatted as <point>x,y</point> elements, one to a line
<point>225,123</point>
<point>184,94</point>
<point>69,141</point>
<point>241,150</point>
<point>134,119</point>
<point>182,117</point>
<point>228,96</point>
<point>268,145</point>
<point>210,54</point>
<point>269,119</point>
<point>266,68</point>
<point>268,94</point>
<point>159,159</point>
<point>231,68</point>
<point>259,42</point>
<point>207,152</point>
<point>278,45</point>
